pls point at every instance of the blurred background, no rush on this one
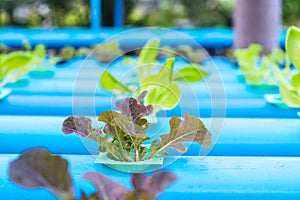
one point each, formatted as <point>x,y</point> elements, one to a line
<point>166,13</point>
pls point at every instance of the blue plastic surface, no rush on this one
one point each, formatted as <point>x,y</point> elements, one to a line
<point>63,105</point>
<point>210,38</point>
<point>197,178</point>
<point>239,137</point>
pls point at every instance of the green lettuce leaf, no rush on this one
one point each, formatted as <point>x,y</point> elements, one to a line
<point>296,82</point>
<point>107,51</point>
<point>248,57</point>
<point>163,92</point>
<point>109,82</point>
<point>292,45</point>
<point>289,93</point>
<point>147,58</point>
<point>190,73</point>
<point>66,53</point>
<point>14,65</point>
<point>149,52</point>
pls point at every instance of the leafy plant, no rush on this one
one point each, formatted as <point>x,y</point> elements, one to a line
<point>267,74</point>
<point>37,168</point>
<point>66,53</point>
<point>193,55</point>
<point>82,51</point>
<point>124,134</point>
<point>41,62</point>
<point>166,52</point>
<point>163,91</point>
<point>107,51</point>
<point>14,65</point>
<point>290,90</point>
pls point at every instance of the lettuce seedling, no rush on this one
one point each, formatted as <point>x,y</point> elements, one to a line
<point>166,52</point>
<point>41,63</point>
<point>66,53</point>
<point>267,74</point>
<point>37,168</point>
<point>162,87</point>
<point>14,65</point>
<point>3,48</point>
<point>83,51</point>
<point>292,45</point>
<point>124,134</point>
<point>290,90</point>
<point>247,58</point>
<point>107,51</point>
<point>193,55</point>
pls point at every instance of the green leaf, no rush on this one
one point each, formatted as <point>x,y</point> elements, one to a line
<point>26,45</point>
<point>247,58</point>
<point>165,97</point>
<point>37,168</point>
<point>191,129</point>
<point>66,53</point>
<point>109,82</point>
<point>147,58</point>
<point>288,93</point>
<point>190,73</point>
<point>277,56</point>
<point>149,52</point>
<point>292,45</point>
<point>14,65</point>
<point>40,51</point>
<point>296,82</point>
<point>185,51</point>
<point>162,91</point>
<point>107,51</point>
<point>260,75</point>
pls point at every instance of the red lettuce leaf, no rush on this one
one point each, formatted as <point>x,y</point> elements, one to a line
<point>82,126</point>
<point>37,168</point>
<point>107,189</point>
<point>134,108</point>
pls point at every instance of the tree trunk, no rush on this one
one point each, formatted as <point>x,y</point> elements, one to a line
<point>257,21</point>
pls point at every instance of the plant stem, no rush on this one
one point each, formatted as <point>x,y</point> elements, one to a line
<point>135,148</point>
<point>121,146</point>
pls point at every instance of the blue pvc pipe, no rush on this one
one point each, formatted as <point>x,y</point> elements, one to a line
<point>95,15</point>
<point>210,38</point>
<point>208,178</point>
<point>239,136</point>
<point>118,13</point>
<point>215,107</point>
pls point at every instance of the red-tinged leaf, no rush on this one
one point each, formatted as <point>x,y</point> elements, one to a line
<point>191,129</point>
<point>134,108</point>
<point>37,168</point>
<point>82,126</point>
<point>149,188</point>
<point>107,189</point>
